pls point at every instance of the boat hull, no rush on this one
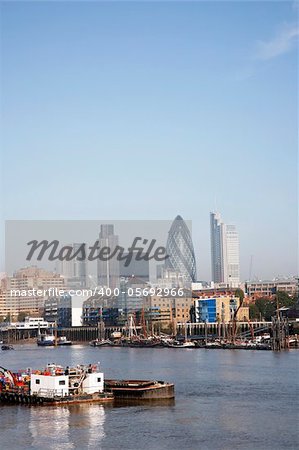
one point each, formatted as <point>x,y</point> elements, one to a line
<point>27,399</point>
<point>46,344</point>
<point>140,390</point>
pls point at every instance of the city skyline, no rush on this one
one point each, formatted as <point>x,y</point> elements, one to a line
<point>149,224</point>
<point>42,229</point>
<point>152,122</point>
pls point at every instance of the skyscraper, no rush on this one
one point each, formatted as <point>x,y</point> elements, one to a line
<point>224,252</point>
<point>108,271</point>
<point>180,249</point>
<point>74,271</point>
<point>217,247</point>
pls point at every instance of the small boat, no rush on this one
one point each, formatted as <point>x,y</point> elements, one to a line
<point>144,343</point>
<point>62,340</point>
<point>177,344</point>
<point>100,343</point>
<point>7,347</point>
<point>46,340</point>
<point>214,344</point>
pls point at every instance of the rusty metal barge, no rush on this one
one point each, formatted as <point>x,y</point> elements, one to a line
<point>140,389</point>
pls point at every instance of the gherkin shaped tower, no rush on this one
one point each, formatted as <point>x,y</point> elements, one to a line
<point>180,249</point>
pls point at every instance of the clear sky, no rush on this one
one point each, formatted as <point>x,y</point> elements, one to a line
<point>137,110</point>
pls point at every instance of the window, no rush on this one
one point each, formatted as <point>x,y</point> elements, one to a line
<point>61,382</point>
<point>37,381</point>
<point>99,379</point>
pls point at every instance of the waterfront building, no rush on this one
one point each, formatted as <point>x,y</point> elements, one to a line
<point>32,277</point>
<point>100,308</point>
<point>180,250</point>
<point>17,293</point>
<point>59,310</point>
<point>166,311</point>
<point>225,258</point>
<point>130,299</point>
<point>31,323</point>
<point>218,309</point>
<point>108,271</point>
<point>257,289</point>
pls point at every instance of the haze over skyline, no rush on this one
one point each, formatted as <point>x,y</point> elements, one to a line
<point>134,111</point>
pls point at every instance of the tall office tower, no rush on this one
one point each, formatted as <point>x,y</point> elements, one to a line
<point>180,249</point>
<point>74,271</point>
<point>108,271</point>
<point>218,247</point>
<point>224,252</point>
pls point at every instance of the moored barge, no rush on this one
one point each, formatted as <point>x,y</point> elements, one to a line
<point>56,385</point>
<point>140,389</point>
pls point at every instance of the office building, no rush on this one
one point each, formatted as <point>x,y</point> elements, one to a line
<point>180,250</point>
<point>219,309</point>
<point>18,293</point>
<point>225,259</point>
<point>257,289</point>
<point>165,311</point>
<point>108,271</point>
<point>58,310</point>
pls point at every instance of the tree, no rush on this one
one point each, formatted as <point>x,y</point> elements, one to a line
<point>266,307</point>
<point>240,294</point>
<point>269,311</point>
<point>285,300</point>
<point>21,316</point>
<point>254,312</point>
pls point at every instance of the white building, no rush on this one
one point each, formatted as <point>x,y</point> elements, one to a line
<point>224,252</point>
<point>31,323</point>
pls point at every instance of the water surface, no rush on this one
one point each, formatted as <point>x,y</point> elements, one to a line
<point>225,399</point>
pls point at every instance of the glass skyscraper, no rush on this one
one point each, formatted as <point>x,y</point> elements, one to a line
<point>224,252</point>
<point>108,271</point>
<point>180,249</point>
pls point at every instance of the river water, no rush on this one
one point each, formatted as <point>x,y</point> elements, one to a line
<point>225,399</point>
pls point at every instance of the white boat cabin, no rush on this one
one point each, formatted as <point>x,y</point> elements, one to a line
<point>57,381</point>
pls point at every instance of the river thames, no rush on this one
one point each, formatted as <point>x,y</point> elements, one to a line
<point>225,399</point>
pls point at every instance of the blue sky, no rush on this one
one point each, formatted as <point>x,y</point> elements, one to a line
<point>148,110</point>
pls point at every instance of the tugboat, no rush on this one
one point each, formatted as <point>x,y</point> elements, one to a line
<point>46,340</point>
<point>54,385</point>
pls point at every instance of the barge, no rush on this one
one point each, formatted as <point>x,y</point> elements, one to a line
<point>140,389</point>
<point>56,385</point>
